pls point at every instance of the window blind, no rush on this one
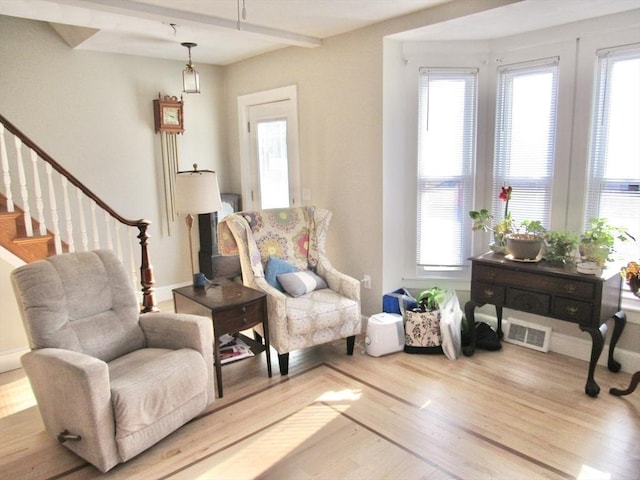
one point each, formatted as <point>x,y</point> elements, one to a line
<point>446,154</point>
<point>614,157</point>
<point>526,111</point>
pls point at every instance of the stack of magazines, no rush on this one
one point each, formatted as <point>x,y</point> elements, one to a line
<point>233,348</point>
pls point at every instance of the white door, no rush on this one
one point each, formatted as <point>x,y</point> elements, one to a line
<point>270,170</point>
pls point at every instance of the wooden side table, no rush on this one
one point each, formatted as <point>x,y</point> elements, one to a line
<point>232,308</point>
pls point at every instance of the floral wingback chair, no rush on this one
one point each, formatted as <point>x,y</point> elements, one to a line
<point>282,252</point>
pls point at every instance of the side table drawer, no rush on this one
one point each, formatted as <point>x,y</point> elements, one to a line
<point>572,310</point>
<point>528,301</point>
<point>234,319</point>
<point>488,293</point>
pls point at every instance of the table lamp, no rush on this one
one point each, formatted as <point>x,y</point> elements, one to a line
<point>196,192</point>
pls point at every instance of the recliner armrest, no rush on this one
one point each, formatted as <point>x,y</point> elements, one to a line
<point>73,393</point>
<point>181,330</point>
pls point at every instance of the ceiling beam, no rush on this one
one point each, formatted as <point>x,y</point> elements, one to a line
<point>170,15</point>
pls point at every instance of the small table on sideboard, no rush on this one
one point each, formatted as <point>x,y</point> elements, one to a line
<point>557,292</point>
<point>231,307</point>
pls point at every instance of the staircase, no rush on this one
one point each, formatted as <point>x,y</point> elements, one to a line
<point>40,185</point>
<point>13,236</point>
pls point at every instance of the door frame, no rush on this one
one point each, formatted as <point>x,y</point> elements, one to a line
<point>290,93</point>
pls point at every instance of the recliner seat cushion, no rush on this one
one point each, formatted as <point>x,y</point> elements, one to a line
<point>319,310</point>
<point>152,388</point>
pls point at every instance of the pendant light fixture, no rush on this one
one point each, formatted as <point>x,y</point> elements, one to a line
<point>190,76</point>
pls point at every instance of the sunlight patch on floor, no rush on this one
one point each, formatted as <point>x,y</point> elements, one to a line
<point>16,396</point>
<point>349,395</point>
<point>590,473</point>
<point>258,454</point>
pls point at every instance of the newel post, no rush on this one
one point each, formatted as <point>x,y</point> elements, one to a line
<point>146,271</point>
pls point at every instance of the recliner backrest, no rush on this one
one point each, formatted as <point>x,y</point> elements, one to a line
<point>80,301</point>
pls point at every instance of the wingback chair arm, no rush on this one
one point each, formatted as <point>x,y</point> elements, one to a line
<point>180,330</point>
<point>338,282</point>
<point>79,400</point>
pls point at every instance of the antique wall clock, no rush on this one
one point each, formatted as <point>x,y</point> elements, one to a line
<point>168,114</point>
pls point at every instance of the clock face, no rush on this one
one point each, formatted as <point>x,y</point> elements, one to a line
<point>170,116</point>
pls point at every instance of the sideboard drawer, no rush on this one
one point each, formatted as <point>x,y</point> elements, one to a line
<point>488,293</point>
<point>528,301</point>
<point>572,310</point>
<point>239,318</point>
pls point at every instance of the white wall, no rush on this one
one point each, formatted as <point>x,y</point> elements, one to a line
<point>92,112</point>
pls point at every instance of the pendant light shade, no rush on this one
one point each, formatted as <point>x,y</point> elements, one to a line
<point>190,76</point>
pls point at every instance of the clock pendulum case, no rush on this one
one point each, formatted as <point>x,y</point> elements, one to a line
<point>169,122</point>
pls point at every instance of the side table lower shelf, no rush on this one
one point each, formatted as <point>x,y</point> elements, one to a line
<point>256,349</point>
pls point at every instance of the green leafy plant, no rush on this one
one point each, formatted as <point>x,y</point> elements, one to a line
<point>560,246</point>
<point>533,227</point>
<point>597,243</point>
<point>431,299</point>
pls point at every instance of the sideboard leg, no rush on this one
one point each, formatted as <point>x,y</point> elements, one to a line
<point>469,312</point>
<point>499,317</point>
<point>597,337</point>
<point>620,319</point>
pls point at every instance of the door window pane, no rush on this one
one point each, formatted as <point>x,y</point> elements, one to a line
<point>274,164</point>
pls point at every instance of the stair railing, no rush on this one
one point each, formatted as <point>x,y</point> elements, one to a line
<point>46,192</point>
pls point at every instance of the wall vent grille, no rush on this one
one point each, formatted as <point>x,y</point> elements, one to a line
<point>528,335</point>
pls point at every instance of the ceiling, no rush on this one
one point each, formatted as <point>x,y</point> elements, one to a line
<point>155,28</point>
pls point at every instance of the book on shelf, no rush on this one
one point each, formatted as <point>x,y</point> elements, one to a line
<point>233,348</point>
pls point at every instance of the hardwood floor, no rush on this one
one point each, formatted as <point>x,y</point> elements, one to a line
<point>511,414</point>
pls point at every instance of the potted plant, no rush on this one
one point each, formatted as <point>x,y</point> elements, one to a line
<point>527,245</point>
<point>482,220</point>
<point>597,242</point>
<point>631,273</point>
<point>560,247</point>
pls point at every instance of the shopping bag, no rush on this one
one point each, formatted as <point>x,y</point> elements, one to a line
<point>398,301</point>
<point>422,332</point>
<point>451,325</point>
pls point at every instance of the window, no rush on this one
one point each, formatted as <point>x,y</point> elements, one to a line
<point>446,153</point>
<point>614,157</point>
<point>525,138</point>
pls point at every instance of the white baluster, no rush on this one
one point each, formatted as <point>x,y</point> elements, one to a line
<point>28,225</point>
<point>107,224</point>
<point>53,207</point>
<point>118,241</point>
<point>38,192</point>
<point>94,222</point>
<point>67,214</point>
<point>5,170</point>
<point>134,268</point>
<point>83,223</point>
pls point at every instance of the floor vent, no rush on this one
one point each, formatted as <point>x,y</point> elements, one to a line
<point>527,334</point>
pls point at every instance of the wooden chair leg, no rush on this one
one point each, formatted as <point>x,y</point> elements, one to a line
<point>351,341</point>
<point>283,361</point>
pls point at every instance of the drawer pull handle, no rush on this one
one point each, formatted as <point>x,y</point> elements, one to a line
<point>570,288</point>
<point>244,309</point>
<point>571,310</point>
<point>244,320</point>
<point>491,274</point>
<point>489,293</point>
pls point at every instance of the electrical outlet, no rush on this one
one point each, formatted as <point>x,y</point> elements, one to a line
<point>366,281</point>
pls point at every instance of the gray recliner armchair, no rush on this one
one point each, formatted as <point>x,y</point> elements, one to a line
<point>110,382</point>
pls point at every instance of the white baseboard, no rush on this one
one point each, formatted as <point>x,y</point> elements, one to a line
<point>10,359</point>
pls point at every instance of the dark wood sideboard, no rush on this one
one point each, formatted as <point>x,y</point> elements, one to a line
<point>558,292</point>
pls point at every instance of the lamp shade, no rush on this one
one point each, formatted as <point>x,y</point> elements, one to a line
<point>197,192</point>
